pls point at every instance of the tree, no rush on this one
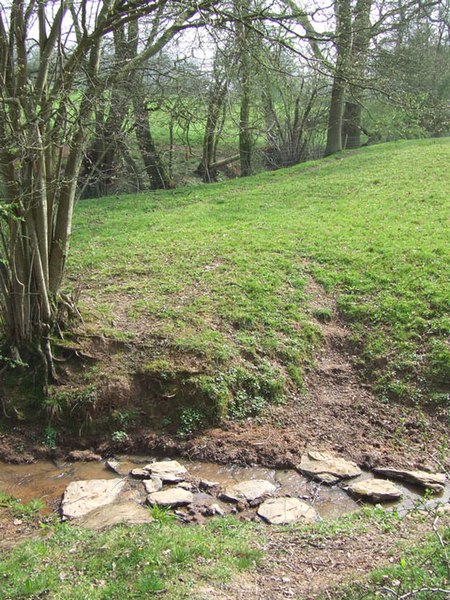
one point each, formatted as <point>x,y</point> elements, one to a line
<point>343,14</point>
<point>244,37</point>
<point>292,108</point>
<point>217,95</point>
<point>52,77</point>
<point>108,138</point>
<point>412,71</point>
<point>362,32</point>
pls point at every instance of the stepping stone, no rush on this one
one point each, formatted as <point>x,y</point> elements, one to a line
<point>81,497</point>
<point>169,471</point>
<point>217,510</point>
<point>253,491</point>
<point>84,456</point>
<point>152,485</point>
<point>430,481</point>
<point>326,468</point>
<point>205,484</point>
<point>114,466</point>
<point>185,485</point>
<point>281,511</point>
<point>210,509</point>
<point>140,474</point>
<point>172,497</point>
<point>375,490</point>
<point>129,513</point>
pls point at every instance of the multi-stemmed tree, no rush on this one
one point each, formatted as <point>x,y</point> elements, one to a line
<point>52,79</point>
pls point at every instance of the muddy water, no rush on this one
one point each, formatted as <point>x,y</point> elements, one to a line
<point>47,481</point>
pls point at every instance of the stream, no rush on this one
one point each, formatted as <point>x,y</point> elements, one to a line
<point>46,480</point>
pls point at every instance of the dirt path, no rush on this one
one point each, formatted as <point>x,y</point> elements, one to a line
<point>302,566</point>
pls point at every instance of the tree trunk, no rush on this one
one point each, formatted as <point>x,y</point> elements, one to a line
<point>351,129</point>
<point>243,42</point>
<point>343,42</point>
<point>334,132</point>
<point>351,125</point>
<point>216,102</point>
<point>245,137</point>
<point>154,166</point>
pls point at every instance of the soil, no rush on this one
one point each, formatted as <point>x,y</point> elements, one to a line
<point>13,531</point>
<point>296,565</point>
<point>338,412</point>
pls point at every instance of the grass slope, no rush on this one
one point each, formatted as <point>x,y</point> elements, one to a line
<point>213,279</point>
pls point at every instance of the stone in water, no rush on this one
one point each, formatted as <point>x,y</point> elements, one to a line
<point>172,497</point>
<point>376,490</point>
<point>252,491</point>
<point>81,497</point>
<point>281,511</point>
<point>430,481</point>
<point>324,467</point>
<point>170,471</point>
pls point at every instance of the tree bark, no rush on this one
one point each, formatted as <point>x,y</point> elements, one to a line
<point>243,43</point>
<point>343,43</point>
<point>154,166</point>
<point>216,101</point>
<point>351,127</point>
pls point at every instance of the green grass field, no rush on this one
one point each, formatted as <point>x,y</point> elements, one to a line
<point>213,279</point>
<point>127,562</point>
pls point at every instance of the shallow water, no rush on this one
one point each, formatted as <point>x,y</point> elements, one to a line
<point>47,481</point>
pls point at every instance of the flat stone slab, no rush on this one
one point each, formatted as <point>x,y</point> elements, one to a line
<point>430,481</point>
<point>375,490</point>
<point>152,485</point>
<point>129,513</point>
<point>185,485</point>
<point>327,468</point>
<point>140,473</point>
<point>172,497</point>
<point>216,509</point>
<point>252,491</point>
<point>114,466</point>
<point>205,484</point>
<point>169,471</point>
<point>84,456</point>
<point>281,511</point>
<point>81,497</point>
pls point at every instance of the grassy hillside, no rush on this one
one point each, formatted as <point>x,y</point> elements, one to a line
<point>211,283</point>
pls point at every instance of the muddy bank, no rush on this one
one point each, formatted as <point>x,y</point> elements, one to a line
<point>369,434</point>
